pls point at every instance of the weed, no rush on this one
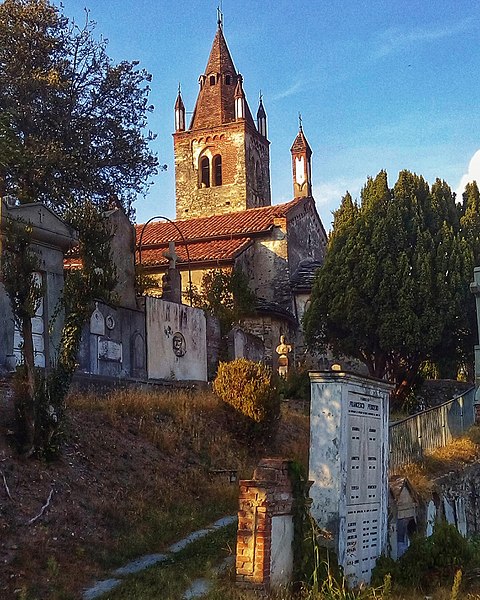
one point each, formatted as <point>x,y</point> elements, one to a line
<point>457,582</point>
<point>53,568</point>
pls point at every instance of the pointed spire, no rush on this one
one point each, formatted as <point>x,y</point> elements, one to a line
<point>216,99</point>
<point>239,99</point>
<point>261,118</point>
<point>301,163</point>
<point>179,112</point>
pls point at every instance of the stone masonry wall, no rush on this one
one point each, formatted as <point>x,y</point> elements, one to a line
<point>306,236</point>
<point>194,201</point>
<point>243,184</point>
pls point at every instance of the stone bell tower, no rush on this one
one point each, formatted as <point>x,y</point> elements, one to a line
<point>222,161</point>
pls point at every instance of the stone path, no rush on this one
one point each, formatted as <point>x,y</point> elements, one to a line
<point>198,588</point>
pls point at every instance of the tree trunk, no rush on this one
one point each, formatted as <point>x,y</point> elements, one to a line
<point>404,384</point>
<point>25,393</point>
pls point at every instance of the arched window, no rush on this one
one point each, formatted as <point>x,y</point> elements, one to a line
<point>213,80</point>
<point>217,170</point>
<point>228,79</point>
<point>205,172</point>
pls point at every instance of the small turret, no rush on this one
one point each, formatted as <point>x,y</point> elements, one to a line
<point>261,119</point>
<point>301,164</point>
<point>239,100</point>
<point>179,112</point>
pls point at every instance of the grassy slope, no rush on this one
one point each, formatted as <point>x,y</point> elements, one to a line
<point>133,477</point>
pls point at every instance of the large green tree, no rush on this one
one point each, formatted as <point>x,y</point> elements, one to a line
<point>72,135</point>
<point>79,117</point>
<point>391,289</point>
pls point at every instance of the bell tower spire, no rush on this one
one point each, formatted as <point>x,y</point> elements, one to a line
<point>222,161</point>
<point>301,163</point>
<point>179,112</point>
<point>261,118</point>
<point>239,99</point>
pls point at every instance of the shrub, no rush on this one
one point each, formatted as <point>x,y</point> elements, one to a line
<point>247,387</point>
<point>383,567</point>
<point>428,561</point>
<point>296,385</point>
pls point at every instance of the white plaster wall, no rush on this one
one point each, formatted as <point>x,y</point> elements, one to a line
<point>164,320</point>
<point>281,550</point>
<point>324,462</point>
<point>348,467</point>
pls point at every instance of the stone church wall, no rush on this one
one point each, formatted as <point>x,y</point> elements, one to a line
<point>269,328</point>
<point>266,265</point>
<point>306,236</point>
<point>258,171</point>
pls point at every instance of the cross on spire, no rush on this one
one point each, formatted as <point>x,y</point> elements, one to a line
<point>300,123</point>
<point>220,15</point>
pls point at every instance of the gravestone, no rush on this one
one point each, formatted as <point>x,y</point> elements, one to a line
<point>172,279</point>
<point>348,466</point>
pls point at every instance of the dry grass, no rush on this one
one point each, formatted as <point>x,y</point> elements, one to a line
<point>134,476</point>
<point>458,453</point>
<point>175,422</point>
<point>180,421</point>
<point>452,457</point>
<point>419,477</point>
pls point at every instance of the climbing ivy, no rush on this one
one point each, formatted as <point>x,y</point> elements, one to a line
<point>40,396</point>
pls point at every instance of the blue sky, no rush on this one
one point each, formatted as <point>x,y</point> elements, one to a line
<point>380,84</point>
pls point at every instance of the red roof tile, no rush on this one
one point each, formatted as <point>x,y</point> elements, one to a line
<point>241,223</point>
<point>208,251</point>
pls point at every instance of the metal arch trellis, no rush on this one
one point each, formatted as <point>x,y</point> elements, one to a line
<point>139,246</point>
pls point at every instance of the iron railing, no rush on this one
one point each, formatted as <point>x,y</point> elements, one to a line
<point>412,437</point>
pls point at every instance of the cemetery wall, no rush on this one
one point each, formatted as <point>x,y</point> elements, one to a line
<point>176,341</point>
<point>113,343</point>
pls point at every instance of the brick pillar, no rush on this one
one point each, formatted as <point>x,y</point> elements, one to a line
<point>265,527</point>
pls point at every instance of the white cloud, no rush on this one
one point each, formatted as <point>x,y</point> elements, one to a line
<point>290,91</point>
<point>396,39</point>
<point>329,194</point>
<point>473,174</point>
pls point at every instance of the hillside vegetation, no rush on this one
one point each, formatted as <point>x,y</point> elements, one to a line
<point>137,471</point>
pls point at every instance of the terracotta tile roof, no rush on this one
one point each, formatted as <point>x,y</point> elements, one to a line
<point>208,251</point>
<point>235,224</point>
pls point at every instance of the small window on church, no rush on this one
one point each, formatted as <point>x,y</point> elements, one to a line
<point>205,172</point>
<point>217,169</point>
<point>228,79</point>
<point>212,79</point>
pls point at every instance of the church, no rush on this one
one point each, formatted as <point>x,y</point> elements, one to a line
<point>225,218</point>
